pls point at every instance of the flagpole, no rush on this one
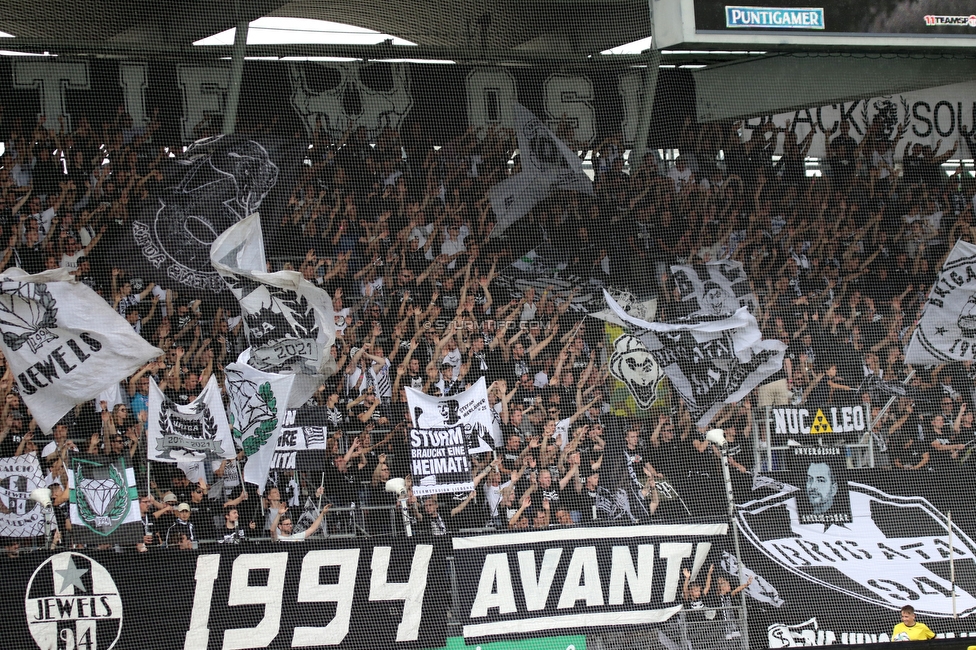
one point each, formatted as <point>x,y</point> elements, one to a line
<point>952,566</point>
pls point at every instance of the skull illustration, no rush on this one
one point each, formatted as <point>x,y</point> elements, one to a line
<point>631,363</point>
<point>341,95</point>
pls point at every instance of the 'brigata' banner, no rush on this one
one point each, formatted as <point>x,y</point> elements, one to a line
<point>826,541</point>
<point>350,595</point>
<point>578,578</point>
<point>947,329</point>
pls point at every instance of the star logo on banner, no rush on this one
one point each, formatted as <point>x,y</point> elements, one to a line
<point>940,331</point>
<point>71,577</point>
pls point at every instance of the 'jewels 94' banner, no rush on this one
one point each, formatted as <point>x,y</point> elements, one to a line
<point>345,596</point>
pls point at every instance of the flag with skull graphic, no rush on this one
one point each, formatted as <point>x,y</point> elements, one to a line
<point>194,432</point>
<point>710,360</point>
<point>288,321</point>
<point>257,409</point>
<point>65,345</point>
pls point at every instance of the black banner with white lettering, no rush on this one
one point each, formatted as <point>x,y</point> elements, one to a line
<point>569,579</point>
<point>849,422</point>
<point>896,547</point>
<point>348,595</point>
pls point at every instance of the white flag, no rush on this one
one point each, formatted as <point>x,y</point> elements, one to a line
<point>64,343</point>
<point>257,409</point>
<point>288,321</point>
<point>714,288</point>
<point>710,360</point>
<point>446,431</point>
<point>192,433</point>
<point>947,329</point>
<point>19,516</point>
<point>547,163</point>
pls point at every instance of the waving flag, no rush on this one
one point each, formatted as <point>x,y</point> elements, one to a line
<point>257,410</point>
<point>710,360</point>
<point>947,329</point>
<point>713,288</point>
<point>64,343</point>
<point>288,321</point>
<point>547,164</point>
<point>195,432</point>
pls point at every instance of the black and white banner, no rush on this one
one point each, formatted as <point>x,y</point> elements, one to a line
<point>65,345</point>
<point>195,432</point>
<point>301,444</point>
<point>288,321</point>
<point>715,288</point>
<point>947,329</point>
<point>547,164</point>
<point>578,578</point>
<point>445,432</point>
<point>710,360</point>
<point>348,595</point>
<point>819,420</point>
<point>19,516</point>
<point>216,183</point>
<point>886,539</point>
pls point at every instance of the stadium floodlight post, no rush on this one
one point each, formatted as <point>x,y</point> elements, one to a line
<point>236,74</point>
<point>717,438</point>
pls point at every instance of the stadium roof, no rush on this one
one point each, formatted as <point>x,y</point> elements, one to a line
<point>460,30</point>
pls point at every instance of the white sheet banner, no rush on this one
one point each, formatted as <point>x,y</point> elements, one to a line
<point>64,343</point>
<point>288,321</point>
<point>194,432</point>
<point>445,432</point>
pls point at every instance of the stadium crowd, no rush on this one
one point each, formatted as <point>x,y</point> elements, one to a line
<point>398,232</point>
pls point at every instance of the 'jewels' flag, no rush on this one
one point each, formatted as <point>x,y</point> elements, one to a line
<point>288,321</point>
<point>547,164</point>
<point>257,409</point>
<point>710,360</point>
<point>103,500</point>
<point>64,343</point>
<point>19,516</point>
<point>195,432</point>
<point>947,329</point>
<point>446,430</point>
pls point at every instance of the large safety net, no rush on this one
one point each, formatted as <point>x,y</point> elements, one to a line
<point>535,348</point>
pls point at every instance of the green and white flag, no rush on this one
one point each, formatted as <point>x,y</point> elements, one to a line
<point>257,412</point>
<point>103,500</point>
